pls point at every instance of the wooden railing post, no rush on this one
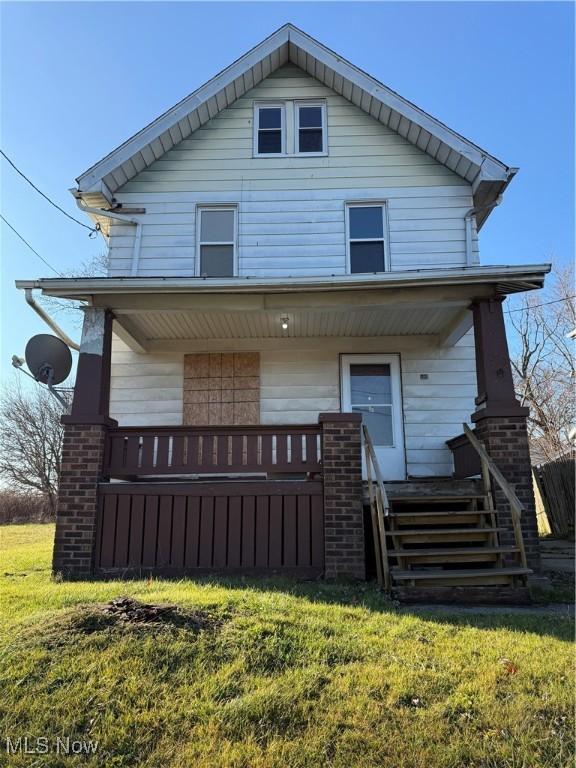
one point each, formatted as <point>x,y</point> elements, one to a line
<point>516,506</point>
<point>380,509</point>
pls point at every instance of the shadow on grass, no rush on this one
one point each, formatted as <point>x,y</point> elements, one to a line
<point>366,595</point>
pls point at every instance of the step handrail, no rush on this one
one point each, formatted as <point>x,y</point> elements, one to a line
<point>377,472</point>
<point>490,468</point>
<point>379,508</point>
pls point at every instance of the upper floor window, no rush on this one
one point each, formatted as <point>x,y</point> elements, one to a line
<point>311,128</point>
<point>217,229</point>
<point>367,235</point>
<point>290,128</point>
<point>269,138</point>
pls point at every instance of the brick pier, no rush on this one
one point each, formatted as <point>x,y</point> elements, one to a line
<point>343,516</point>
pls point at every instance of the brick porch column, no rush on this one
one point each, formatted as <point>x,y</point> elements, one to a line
<point>343,514</point>
<point>83,450</point>
<point>501,423</point>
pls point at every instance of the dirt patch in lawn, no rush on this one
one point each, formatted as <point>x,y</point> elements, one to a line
<point>125,614</point>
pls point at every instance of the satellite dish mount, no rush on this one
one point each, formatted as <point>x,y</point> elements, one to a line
<point>49,360</point>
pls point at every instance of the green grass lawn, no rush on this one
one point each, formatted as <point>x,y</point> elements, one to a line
<point>274,674</point>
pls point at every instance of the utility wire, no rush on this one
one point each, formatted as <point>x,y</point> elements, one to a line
<point>29,246</point>
<point>535,306</point>
<point>90,229</point>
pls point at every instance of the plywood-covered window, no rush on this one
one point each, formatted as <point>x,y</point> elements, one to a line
<point>222,388</point>
<point>217,241</point>
<point>367,237</point>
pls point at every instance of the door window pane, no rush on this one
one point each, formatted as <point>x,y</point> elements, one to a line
<point>366,223</point>
<point>217,260</point>
<point>378,420</point>
<point>370,384</point>
<point>217,226</point>
<point>366,257</point>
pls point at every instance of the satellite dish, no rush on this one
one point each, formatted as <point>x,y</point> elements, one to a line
<point>48,359</point>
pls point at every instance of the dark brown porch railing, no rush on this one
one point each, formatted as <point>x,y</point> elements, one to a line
<point>134,451</point>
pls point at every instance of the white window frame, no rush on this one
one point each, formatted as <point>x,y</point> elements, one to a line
<point>199,242</point>
<point>383,204</point>
<point>258,105</point>
<point>322,105</point>
<point>290,127</point>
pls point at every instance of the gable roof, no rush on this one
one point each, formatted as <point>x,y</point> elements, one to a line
<point>487,175</point>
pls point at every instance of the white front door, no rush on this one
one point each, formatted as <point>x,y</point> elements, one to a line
<point>371,386</point>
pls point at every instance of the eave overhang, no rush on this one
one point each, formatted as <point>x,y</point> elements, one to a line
<point>503,280</point>
<point>488,176</point>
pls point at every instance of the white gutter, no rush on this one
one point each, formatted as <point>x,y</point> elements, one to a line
<point>48,320</point>
<point>88,286</point>
<point>117,217</point>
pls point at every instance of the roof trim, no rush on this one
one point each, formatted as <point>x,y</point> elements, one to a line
<point>289,43</point>
<point>507,279</point>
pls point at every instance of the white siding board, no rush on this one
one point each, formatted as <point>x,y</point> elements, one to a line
<point>298,384</point>
<point>291,197</point>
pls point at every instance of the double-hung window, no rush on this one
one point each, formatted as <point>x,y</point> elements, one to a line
<point>310,128</point>
<point>367,234</point>
<point>216,226</point>
<point>269,138</point>
<point>290,128</point>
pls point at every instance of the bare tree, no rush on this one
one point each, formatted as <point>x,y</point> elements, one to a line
<point>96,266</point>
<point>31,441</point>
<point>543,364</point>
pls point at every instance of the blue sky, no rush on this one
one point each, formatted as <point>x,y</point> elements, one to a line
<point>77,79</point>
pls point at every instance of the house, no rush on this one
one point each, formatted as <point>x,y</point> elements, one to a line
<point>294,248</point>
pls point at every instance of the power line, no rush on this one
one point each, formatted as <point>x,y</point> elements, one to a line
<point>90,229</point>
<point>29,246</point>
<point>535,306</point>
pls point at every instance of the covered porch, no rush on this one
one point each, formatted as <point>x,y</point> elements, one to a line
<point>260,462</point>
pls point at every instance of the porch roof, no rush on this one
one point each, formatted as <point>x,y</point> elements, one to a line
<point>154,313</point>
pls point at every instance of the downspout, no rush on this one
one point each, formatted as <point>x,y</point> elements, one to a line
<point>116,217</point>
<point>468,226</point>
<point>48,320</point>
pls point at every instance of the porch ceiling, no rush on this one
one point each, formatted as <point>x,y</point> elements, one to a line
<point>161,313</point>
<point>304,323</point>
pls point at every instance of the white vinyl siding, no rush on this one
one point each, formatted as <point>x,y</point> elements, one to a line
<point>297,384</point>
<point>291,209</point>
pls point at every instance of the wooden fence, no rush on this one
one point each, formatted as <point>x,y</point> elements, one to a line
<point>554,489</point>
<point>177,528</point>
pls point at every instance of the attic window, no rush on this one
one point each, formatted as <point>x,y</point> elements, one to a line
<point>290,129</point>
<point>311,128</point>
<point>269,137</point>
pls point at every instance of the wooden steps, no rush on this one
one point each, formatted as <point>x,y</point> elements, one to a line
<point>449,541</point>
<point>477,576</point>
<point>440,540</point>
<point>451,555</point>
